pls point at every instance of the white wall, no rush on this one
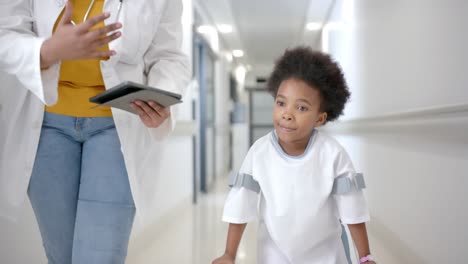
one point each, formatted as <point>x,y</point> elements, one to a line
<point>406,63</point>
<point>402,55</point>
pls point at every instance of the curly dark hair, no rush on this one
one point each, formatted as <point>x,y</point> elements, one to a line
<point>319,71</point>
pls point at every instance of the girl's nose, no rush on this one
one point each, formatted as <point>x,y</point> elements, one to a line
<point>287,116</point>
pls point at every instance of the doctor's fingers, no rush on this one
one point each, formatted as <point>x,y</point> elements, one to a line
<point>139,110</point>
<point>100,54</point>
<point>67,14</point>
<point>149,118</point>
<point>104,41</point>
<point>101,32</point>
<point>150,111</point>
<point>91,22</point>
<point>161,110</point>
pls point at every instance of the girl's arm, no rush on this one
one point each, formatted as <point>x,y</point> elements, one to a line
<point>232,244</point>
<point>234,237</point>
<point>359,234</point>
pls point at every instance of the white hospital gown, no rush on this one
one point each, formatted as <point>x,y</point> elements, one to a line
<point>298,215</point>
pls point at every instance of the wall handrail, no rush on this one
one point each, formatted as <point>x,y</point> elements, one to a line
<point>447,119</point>
<point>444,110</point>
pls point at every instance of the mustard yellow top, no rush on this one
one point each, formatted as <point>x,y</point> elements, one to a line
<point>81,79</point>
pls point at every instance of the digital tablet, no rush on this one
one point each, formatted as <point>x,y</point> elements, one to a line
<point>122,95</point>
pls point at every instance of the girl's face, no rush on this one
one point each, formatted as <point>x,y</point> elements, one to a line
<point>296,113</point>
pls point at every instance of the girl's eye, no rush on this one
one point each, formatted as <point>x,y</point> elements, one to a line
<point>302,108</point>
<point>279,103</point>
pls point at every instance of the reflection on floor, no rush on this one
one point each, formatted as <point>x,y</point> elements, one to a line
<point>197,236</point>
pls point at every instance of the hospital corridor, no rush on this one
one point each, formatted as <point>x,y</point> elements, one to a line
<point>401,135</point>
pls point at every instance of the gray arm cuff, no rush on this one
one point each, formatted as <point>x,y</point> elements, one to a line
<point>244,180</point>
<point>344,184</point>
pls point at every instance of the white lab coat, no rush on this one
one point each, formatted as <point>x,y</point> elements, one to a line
<point>149,51</point>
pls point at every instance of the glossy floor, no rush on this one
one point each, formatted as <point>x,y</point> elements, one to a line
<point>197,236</point>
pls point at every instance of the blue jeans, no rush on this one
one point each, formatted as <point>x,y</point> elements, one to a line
<point>80,192</point>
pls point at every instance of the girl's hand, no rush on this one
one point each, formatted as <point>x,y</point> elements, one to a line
<point>224,259</point>
<point>151,113</point>
<point>70,42</point>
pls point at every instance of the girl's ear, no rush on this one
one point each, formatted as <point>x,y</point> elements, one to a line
<point>322,119</point>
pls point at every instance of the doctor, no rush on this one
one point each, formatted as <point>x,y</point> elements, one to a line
<point>86,170</point>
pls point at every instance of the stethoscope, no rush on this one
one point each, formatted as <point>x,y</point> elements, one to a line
<point>119,7</point>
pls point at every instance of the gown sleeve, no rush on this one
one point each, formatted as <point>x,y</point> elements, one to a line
<point>241,205</point>
<point>348,191</point>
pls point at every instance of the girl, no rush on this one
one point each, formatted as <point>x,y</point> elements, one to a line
<point>297,182</point>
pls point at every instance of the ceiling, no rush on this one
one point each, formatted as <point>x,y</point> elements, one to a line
<point>263,29</point>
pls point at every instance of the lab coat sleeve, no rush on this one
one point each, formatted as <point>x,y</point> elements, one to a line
<point>241,205</point>
<point>166,66</point>
<point>20,51</point>
<point>352,205</point>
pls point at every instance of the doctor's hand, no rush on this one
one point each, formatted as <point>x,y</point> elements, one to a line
<point>70,42</point>
<point>151,113</point>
